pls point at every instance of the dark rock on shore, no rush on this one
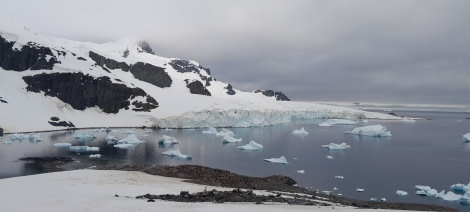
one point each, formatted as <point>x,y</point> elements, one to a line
<point>1,131</point>
<point>3,101</point>
<point>277,94</point>
<point>84,91</point>
<point>47,164</point>
<point>54,121</point>
<point>196,87</point>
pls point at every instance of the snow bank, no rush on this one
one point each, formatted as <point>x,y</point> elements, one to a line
<point>372,130</point>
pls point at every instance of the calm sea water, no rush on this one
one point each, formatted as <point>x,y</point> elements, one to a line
<point>428,152</point>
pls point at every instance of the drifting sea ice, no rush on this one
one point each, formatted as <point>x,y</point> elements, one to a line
<point>127,131</point>
<point>360,189</point>
<point>34,137</point>
<point>466,137</point>
<point>225,132</point>
<point>80,149</point>
<point>330,157</point>
<point>124,146</point>
<point>251,146</point>
<point>302,131</point>
<point>401,193</point>
<point>111,139</point>
<point>210,130</point>
<point>333,146</point>
<point>301,171</point>
<point>281,159</point>
<point>167,140</point>
<point>449,196</point>
<point>332,122</point>
<point>425,191</point>
<point>95,156</point>
<point>130,139</point>
<point>460,188</point>
<point>62,145</point>
<point>372,130</point>
<point>230,139</point>
<point>83,137</point>
<point>177,154</point>
<point>16,137</point>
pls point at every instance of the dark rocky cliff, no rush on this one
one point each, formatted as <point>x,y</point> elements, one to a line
<point>151,74</point>
<point>270,93</point>
<point>83,91</point>
<point>196,87</point>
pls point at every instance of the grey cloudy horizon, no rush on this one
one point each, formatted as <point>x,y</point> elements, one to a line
<point>400,51</point>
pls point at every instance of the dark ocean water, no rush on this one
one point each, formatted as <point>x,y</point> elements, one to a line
<point>429,152</point>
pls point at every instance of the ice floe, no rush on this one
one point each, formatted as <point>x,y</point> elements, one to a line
<point>210,130</point>
<point>111,139</point>
<point>301,171</point>
<point>177,154</point>
<point>225,132</point>
<point>333,146</point>
<point>360,190</point>
<point>330,157</point>
<point>62,145</point>
<point>167,140</point>
<point>302,131</point>
<point>16,137</point>
<point>401,193</point>
<point>80,149</point>
<point>281,159</point>
<point>372,130</point>
<point>83,137</point>
<point>460,188</point>
<point>425,191</point>
<point>251,146</point>
<point>230,139</point>
<point>128,142</point>
<point>333,122</point>
<point>95,156</point>
<point>466,137</point>
<point>34,137</point>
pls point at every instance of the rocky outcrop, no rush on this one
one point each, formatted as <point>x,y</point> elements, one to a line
<point>57,123</point>
<point>30,56</point>
<point>185,66</point>
<point>107,63</point>
<point>277,94</point>
<point>230,90</point>
<point>196,87</point>
<point>2,101</point>
<point>1,132</point>
<point>144,46</point>
<point>151,74</point>
<point>83,91</point>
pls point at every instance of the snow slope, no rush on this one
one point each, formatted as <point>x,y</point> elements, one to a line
<point>177,107</point>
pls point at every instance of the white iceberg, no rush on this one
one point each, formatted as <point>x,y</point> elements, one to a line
<point>372,130</point>
<point>449,196</point>
<point>425,191</point>
<point>92,149</point>
<point>333,122</point>
<point>124,146</point>
<point>130,139</point>
<point>460,188</point>
<point>330,157</point>
<point>302,131</point>
<point>34,137</point>
<point>225,132</point>
<point>281,159</point>
<point>360,189</point>
<point>339,177</point>
<point>16,137</point>
<point>466,137</point>
<point>210,130</point>
<point>230,139</point>
<point>177,154</point>
<point>167,140</point>
<point>82,136</point>
<point>251,146</point>
<point>464,200</point>
<point>333,146</point>
<point>401,193</point>
<point>62,145</point>
<point>78,148</point>
<point>110,139</point>
<point>301,171</point>
<point>95,156</point>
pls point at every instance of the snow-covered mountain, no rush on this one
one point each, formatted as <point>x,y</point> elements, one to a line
<point>49,83</point>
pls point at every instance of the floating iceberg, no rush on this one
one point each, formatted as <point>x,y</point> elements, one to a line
<point>83,137</point>
<point>251,146</point>
<point>401,193</point>
<point>130,139</point>
<point>301,171</point>
<point>330,157</point>
<point>177,154</point>
<point>281,159</point>
<point>460,188</point>
<point>92,149</point>
<point>78,148</point>
<point>16,137</point>
<point>333,146</point>
<point>372,130</point>
<point>408,120</point>
<point>425,191</point>
<point>62,145</point>
<point>465,200</point>
<point>339,177</point>
<point>111,139</point>
<point>126,131</point>
<point>466,137</point>
<point>302,131</point>
<point>230,139</point>
<point>34,137</point>
<point>449,196</point>
<point>225,132</point>
<point>167,140</point>
<point>210,130</point>
<point>360,189</point>
<point>332,122</point>
<point>124,146</point>
<point>95,156</point>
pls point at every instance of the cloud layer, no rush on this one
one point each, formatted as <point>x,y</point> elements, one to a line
<point>401,51</point>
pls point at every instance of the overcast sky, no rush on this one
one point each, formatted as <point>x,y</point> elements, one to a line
<point>396,51</point>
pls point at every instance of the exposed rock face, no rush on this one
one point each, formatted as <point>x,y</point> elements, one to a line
<point>230,90</point>
<point>144,46</point>
<point>2,101</point>
<point>57,123</point>
<point>151,74</point>
<point>185,66</point>
<point>30,56</point>
<point>108,63</point>
<point>83,91</point>
<point>1,132</point>
<point>270,93</point>
<point>196,87</point>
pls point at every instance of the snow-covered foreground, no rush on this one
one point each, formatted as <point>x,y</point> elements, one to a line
<point>95,190</point>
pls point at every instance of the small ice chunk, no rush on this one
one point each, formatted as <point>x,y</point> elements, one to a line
<point>372,130</point>
<point>92,149</point>
<point>16,137</point>
<point>127,131</point>
<point>251,146</point>
<point>78,148</point>
<point>383,199</point>
<point>466,137</point>
<point>339,177</point>
<point>177,154</point>
<point>401,193</point>
<point>225,132</point>
<point>330,157</point>
<point>210,130</point>
<point>281,159</point>
<point>360,189</point>
<point>83,137</point>
<point>124,146</point>
<point>302,131</point>
<point>460,188</point>
<point>332,122</point>
<point>373,199</point>
<point>95,156</point>
<point>333,146</point>
<point>230,139</point>
<point>34,137</point>
<point>62,145</point>
<point>408,120</point>
<point>111,139</point>
<point>301,171</point>
<point>425,191</point>
<point>167,140</point>
<point>449,196</point>
<point>464,200</point>
<point>130,139</point>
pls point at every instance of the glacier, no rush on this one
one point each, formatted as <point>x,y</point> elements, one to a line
<point>333,146</point>
<point>177,154</point>
<point>371,130</point>
<point>333,122</point>
<point>252,145</point>
<point>281,160</point>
